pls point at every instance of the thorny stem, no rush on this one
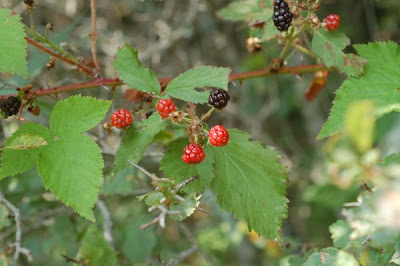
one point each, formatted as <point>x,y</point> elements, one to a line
<point>238,76</point>
<point>65,59</point>
<point>94,35</point>
<point>43,39</point>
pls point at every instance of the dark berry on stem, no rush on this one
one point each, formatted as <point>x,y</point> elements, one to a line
<point>218,98</point>
<point>10,106</point>
<point>282,16</point>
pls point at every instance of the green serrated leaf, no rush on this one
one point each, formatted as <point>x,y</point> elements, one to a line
<point>340,232</point>
<point>250,181</point>
<point>329,46</point>
<point>16,161</point>
<point>391,159</point>
<point>138,244</point>
<point>133,73</point>
<point>186,208</point>
<point>173,167</point>
<point>360,124</point>
<point>77,114</point>
<point>135,142</point>
<point>380,84</point>
<point>184,86</point>
<point>240,10</point>
<point>26,141</point>
<point>95,249</point>
<point>372,256</point>
<point>12,44</point>
<point>331,257</point>
<point>71,168</point>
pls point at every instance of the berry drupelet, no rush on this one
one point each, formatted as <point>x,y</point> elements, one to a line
<point>332,22</point>
<point>282,16</point>
<point>193,154</point>
<point>121,118</point>
<point>165,107</point>
<point>218,98</point>
<point>218,136</point>
<point>10,106</point>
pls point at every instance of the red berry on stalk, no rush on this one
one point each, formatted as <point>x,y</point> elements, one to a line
<point>332,22</point>
<point>218,136</point>
<point>193,154</point>
<point>121,118</point>
<point>165,107</point>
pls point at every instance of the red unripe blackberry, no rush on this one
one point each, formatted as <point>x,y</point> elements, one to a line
<point>121,118</point>
<point>10,106</point>
<point>193,154</point>
<point>282,16</point>
<point>332,22</point>
<point>218,136</point>
<point>218,98</point>
<point>165,107</point>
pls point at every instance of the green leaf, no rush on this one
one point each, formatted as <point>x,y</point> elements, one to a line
<point>331,257</point>
<point>240,10</point>
<point>340,232</point>
<point>360,124</point>
<point>372,256</point>
<point>77,114</point>
<point>133,73</point>
<point>186,207</point>
<point>138,244</point>
<point>380,84</point>
<point>72,169</point>
<point>135,142</point>
<point>251,181</point>
<point>95,249</point>
<point>16,161</point>
<point>122,183</point>
<point>184,86</point>
<point>391,159</point>
<point>12,44</point>
<point>329,45</point>
<point>26,141</point>
<point>173,167</point>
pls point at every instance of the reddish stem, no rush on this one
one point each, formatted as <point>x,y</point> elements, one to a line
<point>164,81</point>
<point>50,52</point>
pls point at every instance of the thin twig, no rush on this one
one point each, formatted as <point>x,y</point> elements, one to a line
<point>186,182</point>
<point>107,222</point>
<point>94,35</point>
<point>18,234</point>
<point>153,177</point>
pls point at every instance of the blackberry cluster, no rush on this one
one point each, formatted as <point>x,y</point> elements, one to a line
<point>282,15</point>
<point>218,98</point>
<point>10,106</point>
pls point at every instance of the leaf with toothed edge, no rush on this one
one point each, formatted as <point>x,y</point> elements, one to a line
<point>16,161</point>
<point>71,168</point>
<point>184,86</point>
<point>250,181</point>
<point>380,83</point>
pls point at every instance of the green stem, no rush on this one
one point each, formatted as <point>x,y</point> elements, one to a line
<point>43,39</point>
<point>305,50</point>
<point>207,115</point>
<point>32,21</point>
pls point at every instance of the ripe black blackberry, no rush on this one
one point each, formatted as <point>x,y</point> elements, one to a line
<point>10,106</point>
<point>282,16</point>
<point>218,98</point>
